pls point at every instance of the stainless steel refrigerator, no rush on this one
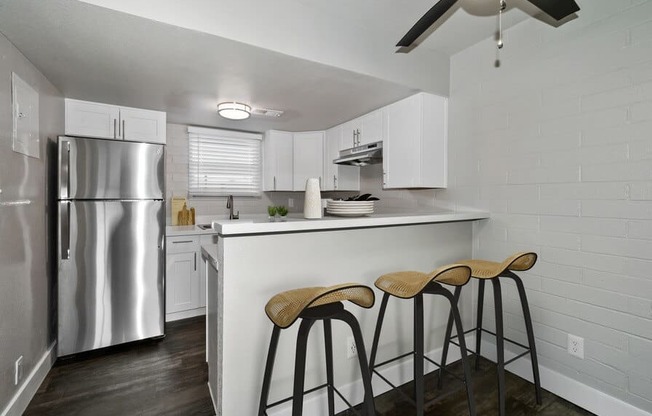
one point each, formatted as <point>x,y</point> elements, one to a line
<point>111,236</point>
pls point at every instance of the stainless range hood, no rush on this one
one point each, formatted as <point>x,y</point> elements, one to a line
<point>364,155</point>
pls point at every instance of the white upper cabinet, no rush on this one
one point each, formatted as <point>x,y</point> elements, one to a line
<point>363,130</point>
<point>278,161</point>
<point>142,125</point>
<point>308,158</point>
<point>337,177</point>
<point>89,119</point>
<point>372,128</point>
<point>92,119</point>
<point>415,146</point>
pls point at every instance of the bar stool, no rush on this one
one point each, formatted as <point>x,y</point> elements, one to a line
<point>310,305</point>
<point>484,270</point>
<point>413,285</point>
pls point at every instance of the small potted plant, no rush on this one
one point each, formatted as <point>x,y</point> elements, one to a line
<point>282,212</point>
<point>271,211</point>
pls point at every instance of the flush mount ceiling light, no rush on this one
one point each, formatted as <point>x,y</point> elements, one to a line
<point>234,111</point>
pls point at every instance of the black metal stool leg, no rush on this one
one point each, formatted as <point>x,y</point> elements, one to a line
<point>379,325</point>
<point>418,354</point>
<point>300,366</point>
<point>328,338</point>
<point>267,378</point>
<point>478,325</point>
<point>447,339</point>
<point>530,334</point>
<point>348,317</point>
<point>465,361</point>
<point>500,345</point>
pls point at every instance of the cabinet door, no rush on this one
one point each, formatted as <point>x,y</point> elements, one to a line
<point>182,279</point>
<point>308,158</point>
<point>350,134</point>
<point>277,161</point>
<point>338,177</point>
<point>372,128</point>
<point>88,119</point>
<point>401,153</point>
<point>142,125</point>
<point>415,146</point>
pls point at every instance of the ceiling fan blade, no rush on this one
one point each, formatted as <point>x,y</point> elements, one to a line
<point>558,9</point>
<point>426,21</point>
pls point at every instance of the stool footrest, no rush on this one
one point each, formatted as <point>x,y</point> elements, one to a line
<point>527,349</point>
<point>425,357</point>
<point>312,390</point>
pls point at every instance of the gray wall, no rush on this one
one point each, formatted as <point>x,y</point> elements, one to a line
<point>26,285</point>
<point>557,145</point>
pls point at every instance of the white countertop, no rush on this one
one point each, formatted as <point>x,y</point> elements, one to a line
<point>296,223</point>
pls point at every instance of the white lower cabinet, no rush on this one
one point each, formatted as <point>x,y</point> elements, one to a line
<point>185,290</point>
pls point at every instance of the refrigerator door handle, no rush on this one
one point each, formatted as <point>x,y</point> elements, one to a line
<point>65,230</point>
<point>64,170</point>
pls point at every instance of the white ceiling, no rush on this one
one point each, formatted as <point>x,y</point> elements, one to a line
<point>321,61</point>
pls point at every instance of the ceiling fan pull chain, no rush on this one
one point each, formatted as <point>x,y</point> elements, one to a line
<point>502,8</point>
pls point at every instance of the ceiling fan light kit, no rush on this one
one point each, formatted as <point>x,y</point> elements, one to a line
<point>557,9</point>
<point>234,111</point>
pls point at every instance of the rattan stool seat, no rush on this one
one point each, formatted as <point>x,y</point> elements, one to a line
<point>284,308</point>
<point>408,284</point>
<point>485,269</point>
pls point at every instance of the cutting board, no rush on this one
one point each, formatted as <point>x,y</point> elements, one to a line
<point>177,205</point>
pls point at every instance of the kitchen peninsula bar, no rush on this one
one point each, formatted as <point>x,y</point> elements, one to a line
<point>255,259</point>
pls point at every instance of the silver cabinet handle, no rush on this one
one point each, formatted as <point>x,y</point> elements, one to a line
<point>124,136</point>
<point>320,182</point>
<point>115,128</point>
<point>275,182</point>
<point>65,230</point>
<point>195,261</point>
<point>182,242</point>
<point>334,181</point>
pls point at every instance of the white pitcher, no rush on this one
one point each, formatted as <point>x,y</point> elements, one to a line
<point>312,202</point>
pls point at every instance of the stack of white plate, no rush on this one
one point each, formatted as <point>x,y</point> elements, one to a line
<point>349,208</point>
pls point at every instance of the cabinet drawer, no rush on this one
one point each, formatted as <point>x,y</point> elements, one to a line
<point>182,244</point>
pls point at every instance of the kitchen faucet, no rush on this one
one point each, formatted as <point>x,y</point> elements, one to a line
<point>229,205</point>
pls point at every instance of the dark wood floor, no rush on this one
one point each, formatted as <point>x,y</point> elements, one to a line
<point>168,377</point>
<point>165,377</point>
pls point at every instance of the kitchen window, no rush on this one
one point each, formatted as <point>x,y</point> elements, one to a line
<point>223,162</point>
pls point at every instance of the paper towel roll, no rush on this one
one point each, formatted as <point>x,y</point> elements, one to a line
<point>312,202</point>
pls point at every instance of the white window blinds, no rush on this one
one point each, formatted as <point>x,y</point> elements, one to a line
<point>222,162</point>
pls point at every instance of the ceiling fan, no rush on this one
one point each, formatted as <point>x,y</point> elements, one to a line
<point>557,9</point>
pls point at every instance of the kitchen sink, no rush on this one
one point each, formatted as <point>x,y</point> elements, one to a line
<point>205,226</point>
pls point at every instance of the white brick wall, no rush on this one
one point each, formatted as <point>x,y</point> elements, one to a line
<point>557,144</point>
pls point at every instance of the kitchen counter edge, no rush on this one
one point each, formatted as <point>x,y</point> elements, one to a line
<point>233,228</point>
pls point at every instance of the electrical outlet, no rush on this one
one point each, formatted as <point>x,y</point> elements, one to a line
<point>351,348</point>
<point>576,346</point>
<point>18,370</point>
<point>291,202</point>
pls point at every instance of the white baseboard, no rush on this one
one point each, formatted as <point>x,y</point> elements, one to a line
<point>563,386</point>
<point>175,316</point>
<point>30,385</point>
<point>580,394</point>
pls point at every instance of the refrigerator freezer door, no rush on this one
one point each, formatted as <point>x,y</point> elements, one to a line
<point>111,289</point>
<point>109,169</point>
